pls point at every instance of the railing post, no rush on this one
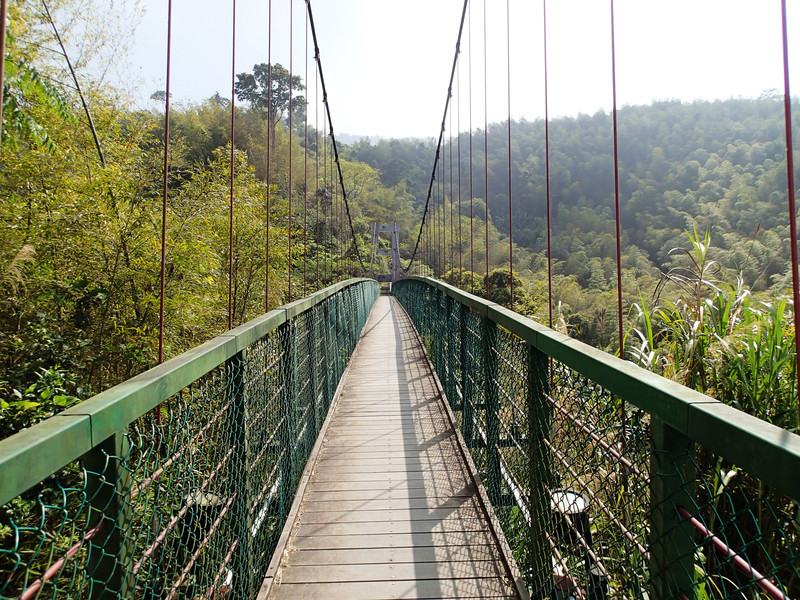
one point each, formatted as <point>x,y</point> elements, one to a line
<point>448,362</point>
<point>303,401</point>
<point>435,328</point>
<point>492,407</point>
<point>468,413</point>
<point>326,353</point>
<point>672,483</point>
<point>111,548</point>
<point>312,335</point>
<point>339,337</point>
<point>288,395</point>
<point>540,420</point>
<point>238,477</point>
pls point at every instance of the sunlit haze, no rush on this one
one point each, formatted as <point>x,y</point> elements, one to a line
<point>387,64</point>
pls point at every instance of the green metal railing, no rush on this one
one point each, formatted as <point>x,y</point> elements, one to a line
<point>177,483</point>
<point>610,481</point>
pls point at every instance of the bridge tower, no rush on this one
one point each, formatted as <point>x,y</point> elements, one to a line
<point>393,251</point>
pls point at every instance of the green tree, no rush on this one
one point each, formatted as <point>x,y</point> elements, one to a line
<point>271,90</point>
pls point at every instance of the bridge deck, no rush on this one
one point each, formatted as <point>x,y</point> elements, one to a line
<point>390,508</point>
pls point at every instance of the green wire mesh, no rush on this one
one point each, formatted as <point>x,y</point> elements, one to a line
<point>189,500</point>
<point>594,497</point>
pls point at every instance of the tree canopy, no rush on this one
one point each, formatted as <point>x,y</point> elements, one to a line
<point>271,90</point>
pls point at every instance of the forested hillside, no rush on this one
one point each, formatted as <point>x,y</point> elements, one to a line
<point>705,236</point>
<point>717,165</point>
<point>81,189</point>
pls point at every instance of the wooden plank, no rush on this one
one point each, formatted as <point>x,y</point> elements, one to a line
<point>418,434</point>
<point>409,571</point>
<point>344,452</point>
<point>408,461</point>
<point>429,589</point>
<point>313,504</point>
<point>465,512</point>
<point>391,443</point>
<point>374,527</point>
<point>345,447</point>
<point>388,452</point>
<point>421,484</point>
<point>365,556</point>
<point>439,494</point>
<point>387,477</point>
<point>393,540</point>
<point>429,467</point>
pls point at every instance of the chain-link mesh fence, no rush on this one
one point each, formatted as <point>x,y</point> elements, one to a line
<point>599,498</point>
<point>188,500</point>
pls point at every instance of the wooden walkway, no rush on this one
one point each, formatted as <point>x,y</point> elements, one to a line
<point>389,507</point>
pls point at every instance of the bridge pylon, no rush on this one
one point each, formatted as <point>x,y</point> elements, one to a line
<point>393,251</point>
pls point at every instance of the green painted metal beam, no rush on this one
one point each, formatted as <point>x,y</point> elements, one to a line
<point>31,455</point>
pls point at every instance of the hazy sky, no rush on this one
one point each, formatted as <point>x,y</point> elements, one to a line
<point>387,63</point>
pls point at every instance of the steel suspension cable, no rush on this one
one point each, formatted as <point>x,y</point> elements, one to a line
<point>269,152</point>
<point>232,165</point>
<point>443,211</point>
<point>291,139</point>
<point>305,175</point>
<point>452,264</point>
<point>164,189</point>
<point>510,213</point>
<point>3,20</point>
<point>623,413</point>
<point>471,191</point>
<point>443,208</point>
<point>485,151</point>
<point>427,255</point>
<point>162,276</point>
<point>434,223</point>
<point>616,182</point>
<point>787,113</point>
<point>340,229</point>
<point>445,229</point>
<point>441,136</point>
<point>440,213</point>
<point>437,211</point>
<point>316,175</point>
<point>430,244</point>
<point>343,247</point>
<point>432,227</point>
<point>458,145</point>
<point>339,223</point>
<point>333,136</point>
<point>547,172</point>
<point>326,259</point>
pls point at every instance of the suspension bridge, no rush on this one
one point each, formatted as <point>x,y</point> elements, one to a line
<point>418,443</point>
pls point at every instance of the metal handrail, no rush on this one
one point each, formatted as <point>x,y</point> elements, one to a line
<point>548,417</point>
<point>34,453</point>
<point>766,451</point>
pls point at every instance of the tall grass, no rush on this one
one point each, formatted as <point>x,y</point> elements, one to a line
<point>708,332</point>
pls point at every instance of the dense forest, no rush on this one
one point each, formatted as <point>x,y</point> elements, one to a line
<point>703,216</point>
<point>705,236</point>
<point>710,165</point>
